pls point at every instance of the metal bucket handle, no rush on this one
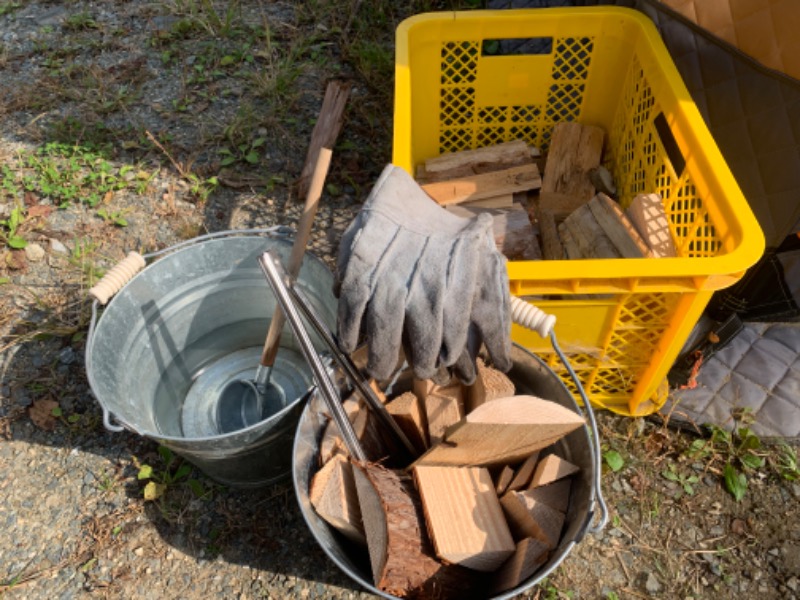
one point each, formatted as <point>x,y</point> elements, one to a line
<point>528,315</point>
<point>121,274</point>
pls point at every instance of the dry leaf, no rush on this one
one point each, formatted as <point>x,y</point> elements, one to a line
<point>153,490</point>
<point>16,260</point>
<point>40,210</point>
<point>41,413</point>
<point>31,199</point>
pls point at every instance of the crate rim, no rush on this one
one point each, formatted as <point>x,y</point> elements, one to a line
<point>710,273</point>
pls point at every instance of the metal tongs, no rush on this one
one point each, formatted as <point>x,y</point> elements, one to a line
<point>290,299</point>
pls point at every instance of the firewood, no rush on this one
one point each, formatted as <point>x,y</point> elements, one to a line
<point>575,149</point>
<point>603,181</point>
<point>618,228</point>
<point>513,233</point>
<point>485,185</point>
<point>552,248</point>
<point>501,201</point>
<point>555,495</point>
<point>506,430</point>
<point>408,412</point>
<point>560,205</point>
<point>584,230</point>
<point>326,129</point>
<point>571,249</point>
<point>444,406</point>
<point>472,531</point>
<point>523,474</point>
<point>453,165</point>
<point>552,468</point>
<point>530,518</point>
<point>503,479</point>
<point>333,495</point>
<point>332,442</point>
<point>529,555</point>
<point>401,554</point>
<point>489,385</point>
<point>647,214</point>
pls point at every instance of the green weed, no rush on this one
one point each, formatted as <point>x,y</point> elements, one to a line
<point>171,472</point>
<point>81,21</point>
<point>686,482</point>
<point>9,229</point>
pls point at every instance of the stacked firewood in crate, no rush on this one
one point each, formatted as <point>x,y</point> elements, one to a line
<point>568,212</point>
<point>480,507</point>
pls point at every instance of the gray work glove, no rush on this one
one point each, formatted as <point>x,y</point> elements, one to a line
<point>412,275</point>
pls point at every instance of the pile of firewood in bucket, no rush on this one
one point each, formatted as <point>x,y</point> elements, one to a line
<point>481,505</point>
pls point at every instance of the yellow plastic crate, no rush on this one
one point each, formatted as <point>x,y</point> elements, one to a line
<point>621,321</point>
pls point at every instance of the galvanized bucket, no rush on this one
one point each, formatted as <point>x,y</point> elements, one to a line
<point>530,376</point>
<point>163,348</point>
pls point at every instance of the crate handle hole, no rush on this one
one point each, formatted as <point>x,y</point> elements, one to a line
<point>670,144</point>
<point>532,46</point>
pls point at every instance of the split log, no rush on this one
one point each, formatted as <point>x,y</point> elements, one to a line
<point>552,468</point>
<point>401,555</point>
<point>560,205</point>
<point>551,243</point>
<point>444,406</point>
<point>471,532</point>
<point>407,410</point>
<point>524,473</point>
<point>333,495</point>
<point>501,201</point>
<point>529,518</point>
<point>332,442</point>
<point>503,479</point>
<point>582,228</point>
<point>485,185</point>
<point>513,234</point>
<point>575,150</point>
<point>571,249</point>
<point>489,385</point>
<point>647,214</point>
<point>529,555</point>
<point>618,228</point>
<point>555,495</point>
<point>453,165</point>
<point>506,430</point>
<point>326,129</point>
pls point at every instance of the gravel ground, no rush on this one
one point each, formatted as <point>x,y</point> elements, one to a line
<point>208,84</point>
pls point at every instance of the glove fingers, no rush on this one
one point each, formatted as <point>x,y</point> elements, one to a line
<point>369,249</point>
<point>491,312</point>
<point>384,324</point>
<point>464,368</point>
<point>424,309</point>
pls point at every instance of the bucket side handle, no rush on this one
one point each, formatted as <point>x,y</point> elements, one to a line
<point>530,316</point>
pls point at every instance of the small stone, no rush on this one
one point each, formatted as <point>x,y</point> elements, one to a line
<point>652,585</point>
<point>34,252</point>
<point>67,356</point>
<point>139,551</point>
<point>774,551</point>
<point>57,247</point>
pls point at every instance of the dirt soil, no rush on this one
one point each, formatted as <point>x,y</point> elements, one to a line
<point>135,125</point>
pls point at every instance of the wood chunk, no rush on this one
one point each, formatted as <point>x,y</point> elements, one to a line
<point>560,205</point>
<point>332,442</point>
<point>588,235</point>
<point>505,430</point>
<point>501,201</point>
<point>551,242</point>
<point>422,387</point>
<point>326,129</point>
<point>530,518</point>
<point>552,468</point>
<point>529,555</point>
<point>333,495</point>
<point>505,477</point>
<point>485,185</point>
<point>452,165</point>
<point>513,233</point>
<point>575,149</point>
<point>378,391</point>
<point>471,532</point>
<point>408,412</point>
<point>444,407</point>
<point>603,181</point>
<point>401,555</point>
<point>571,249</point>
<point>555,495</point>
<point>489,385</point>
<point>523,474</point>
<point>647,214</point>
<point>618,228</point>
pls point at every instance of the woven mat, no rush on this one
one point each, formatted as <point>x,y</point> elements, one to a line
<point>758,370</point>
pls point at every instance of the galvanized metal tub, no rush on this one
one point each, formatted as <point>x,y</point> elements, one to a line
<point>530,376</point>
<point>167,343</point>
